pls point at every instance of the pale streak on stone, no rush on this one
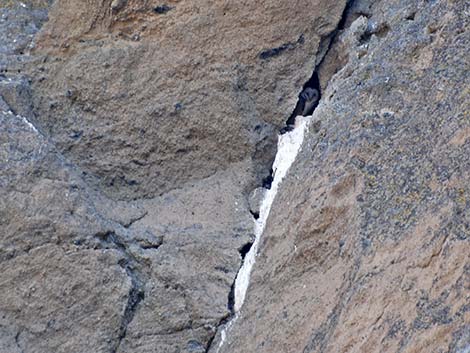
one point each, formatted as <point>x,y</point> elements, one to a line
<point>288,146</point>
<point>27,122</point>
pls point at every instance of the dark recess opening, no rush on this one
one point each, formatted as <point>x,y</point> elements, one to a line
<point>267,181</point>
<point>313,82</point>
<point>162,9</point>
<point>231,298</point>
<point>244,250</point>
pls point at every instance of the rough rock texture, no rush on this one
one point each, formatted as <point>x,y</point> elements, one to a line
<point>119,100</point>
<point>82,273</point>
<point>367,246</point>
<point>52,258</point>
<point>254,200</point>
<point>132,133</point>
<point>145,97</point>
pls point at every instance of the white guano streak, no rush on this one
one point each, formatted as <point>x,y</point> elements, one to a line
<point>288,146</point>
<point>27,122</point>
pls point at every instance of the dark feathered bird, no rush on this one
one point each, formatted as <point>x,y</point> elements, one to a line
<point>308,100</point>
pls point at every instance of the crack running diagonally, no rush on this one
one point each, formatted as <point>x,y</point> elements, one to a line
<point>242,279</point>
<point>136,293</point>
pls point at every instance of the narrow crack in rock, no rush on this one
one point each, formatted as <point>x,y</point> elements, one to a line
<point>330,38</point>
<point>324,47</point>
<point>136,294</point>
<point>135,219</point>
<point>17,341</point>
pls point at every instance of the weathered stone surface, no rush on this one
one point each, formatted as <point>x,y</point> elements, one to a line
<point>16,93</point>
<point>19,22</point>
<point>366,248</point>
<point>52,263</point>
<point>84,273</point>
<point>136,118</point>
<point>162,96</point>
<point>192,272</point>
<point>255,199</point>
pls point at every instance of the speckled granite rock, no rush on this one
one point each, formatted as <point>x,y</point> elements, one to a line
<point>367,246</point>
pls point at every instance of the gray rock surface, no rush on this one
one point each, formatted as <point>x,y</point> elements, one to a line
<point>255,199</point>
<point>131,137</point>
<point>19,22</point>
<point>177,103</point>
<point>366,248</point>
<point>127,276</point>
<point>16,93</point>
<point>53,259</point>
<point>181,94</point>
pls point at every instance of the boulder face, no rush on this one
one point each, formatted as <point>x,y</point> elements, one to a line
<point>134,139</point>
<point>131,135</point>
<point>367,245</point>
<point>165,94</point>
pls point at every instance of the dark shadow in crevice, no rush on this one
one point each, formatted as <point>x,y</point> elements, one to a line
<point>231,299</point>
<point>254,214</point>
<point>309,97</point>
<point>267,181</point>
<point>244,250</point>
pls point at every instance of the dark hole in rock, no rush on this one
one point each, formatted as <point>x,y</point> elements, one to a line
<point>76,134</point>
<point>244,249</point>
<point>222,269</point>
<point>254,214</point>
<point>308,100</point>
<point>267,181</point>
<point>411,16</point>
<point>161,9</point>
<point>231,298</point>
<point>178,107</point>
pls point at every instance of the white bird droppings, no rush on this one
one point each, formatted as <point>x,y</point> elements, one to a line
<point>288,146</point>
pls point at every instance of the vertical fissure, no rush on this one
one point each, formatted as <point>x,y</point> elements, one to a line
<point>289,143</point>
<point>136,293</point>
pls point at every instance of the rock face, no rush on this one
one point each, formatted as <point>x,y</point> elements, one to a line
<point>367,246</point>
<point>133,135</point>
<point>181,90</point>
